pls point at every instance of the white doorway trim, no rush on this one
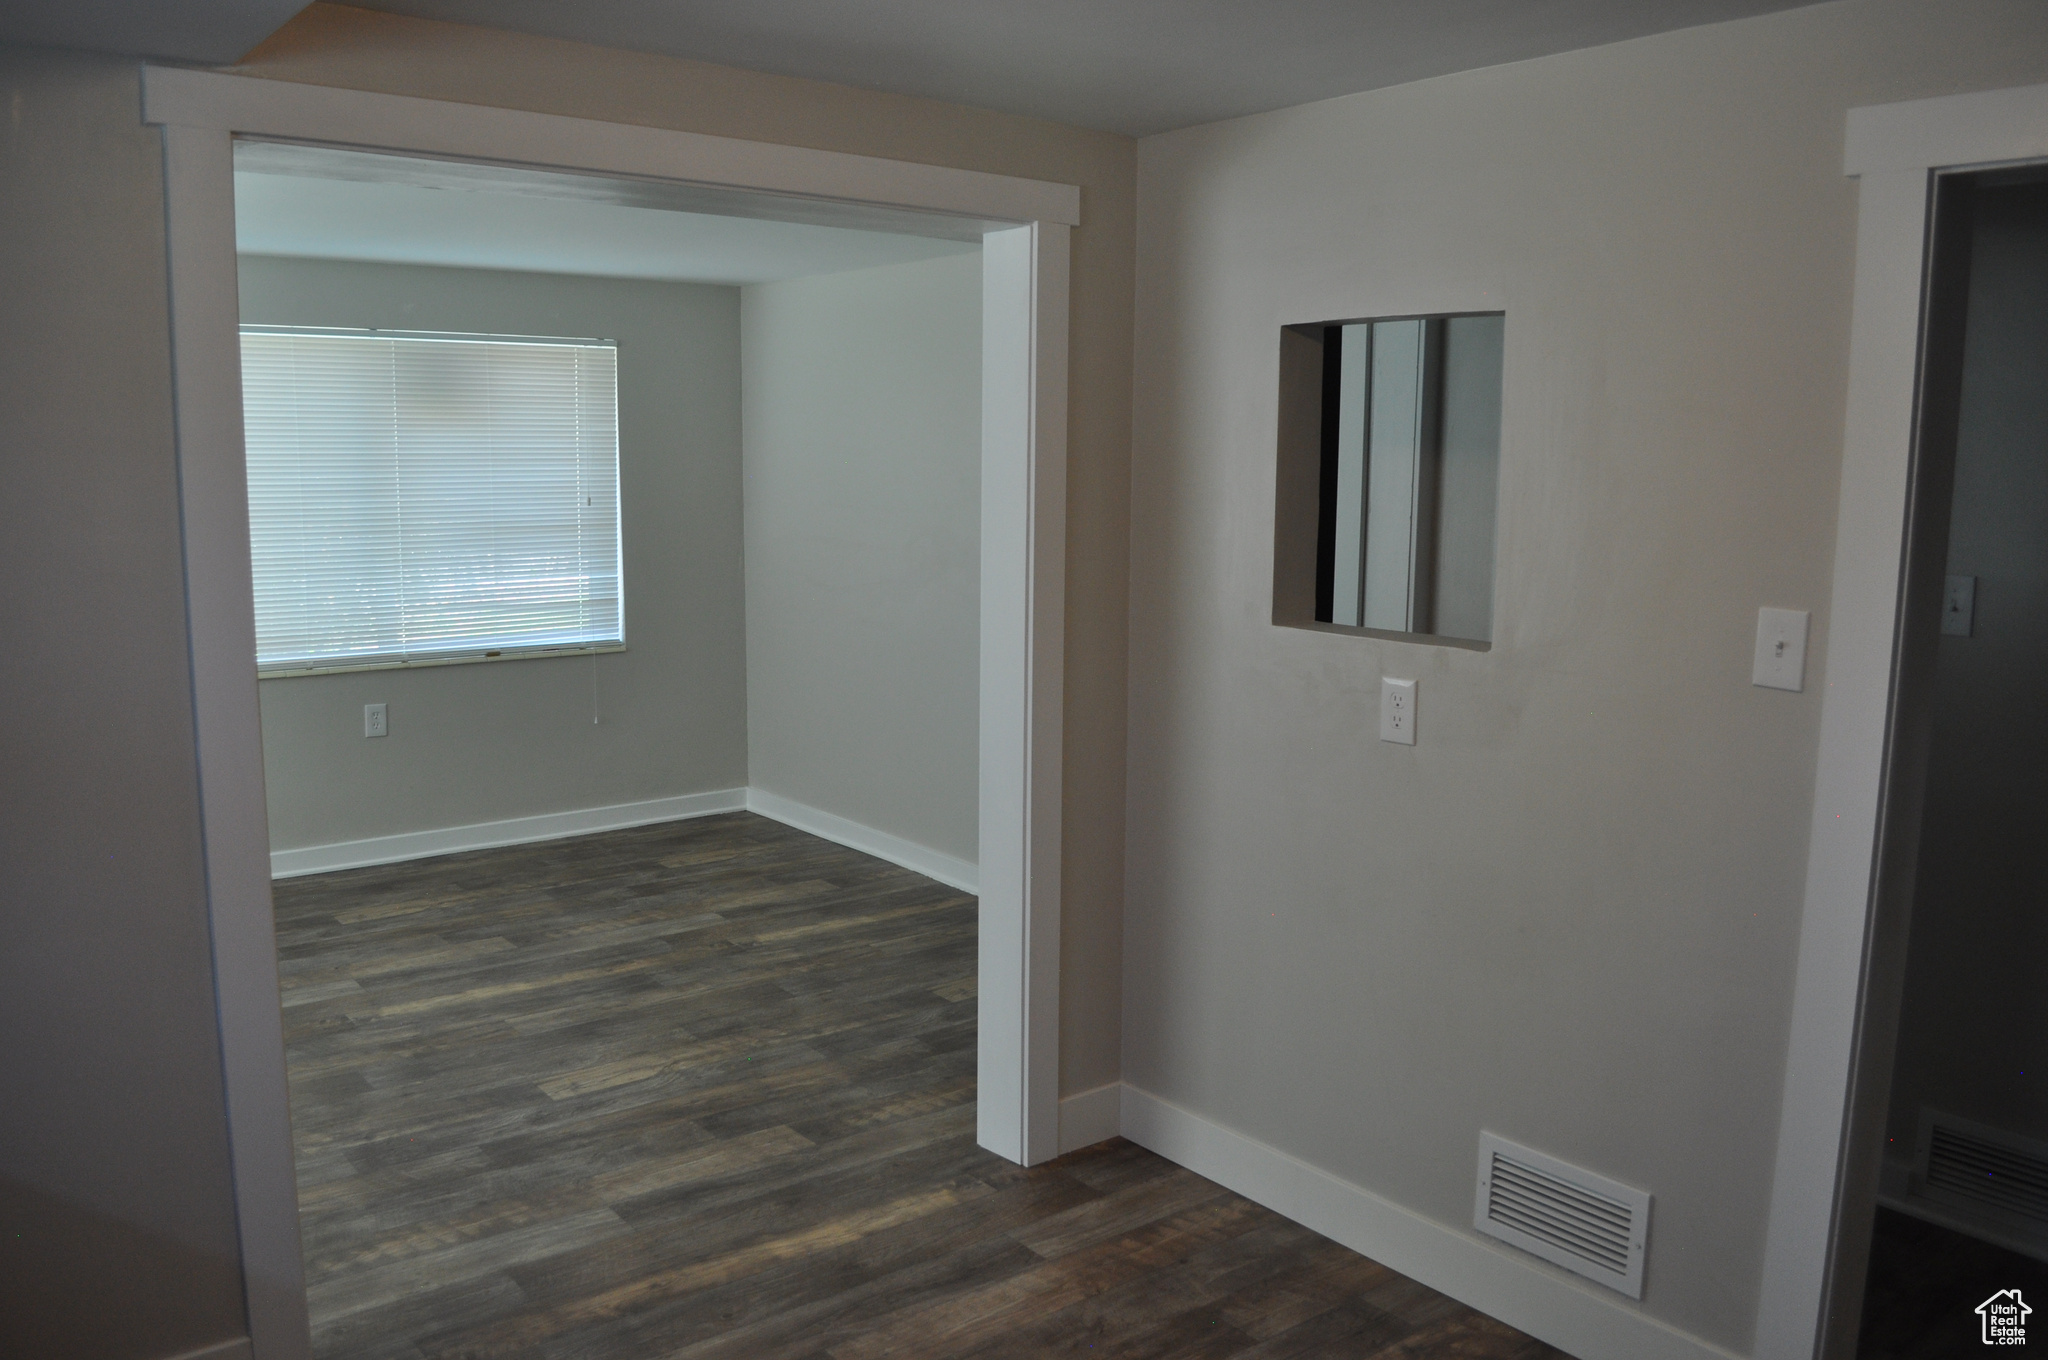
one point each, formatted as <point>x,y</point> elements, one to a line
<point>1024,225</point>
<point>1895,150</point>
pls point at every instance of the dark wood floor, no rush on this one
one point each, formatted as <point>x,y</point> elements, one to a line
<point>706,1089</point>
<point>1924,1287</point>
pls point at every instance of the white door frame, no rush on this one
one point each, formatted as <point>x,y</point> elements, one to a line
<point>1023,542</point>
<point>1895,150</point>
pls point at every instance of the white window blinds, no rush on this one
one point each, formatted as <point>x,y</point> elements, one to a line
<point>417,498</point>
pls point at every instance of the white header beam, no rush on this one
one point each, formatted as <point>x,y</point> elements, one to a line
<point>1956,130</point>
<point>286,110</point>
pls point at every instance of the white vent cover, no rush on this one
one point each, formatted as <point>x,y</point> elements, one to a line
<point>1565,1214</point>
<point>1964,1162</point>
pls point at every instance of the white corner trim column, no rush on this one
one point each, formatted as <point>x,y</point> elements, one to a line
<point>1894,149</point>
<point>1023,630</point>
<point>220,615</point>
<point>1869,549</point>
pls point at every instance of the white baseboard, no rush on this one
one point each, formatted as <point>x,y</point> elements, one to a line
<point>1895,1191</point>
<point>320,859</point>
<point>1088,1118</point>
<point>1957,1219</point>
<point>238,1349</point>
<point>953,872</point>
<point>1521,1291</point>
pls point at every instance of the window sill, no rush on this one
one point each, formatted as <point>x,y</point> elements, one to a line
<point>449,659</point>
<point>1419,639</point>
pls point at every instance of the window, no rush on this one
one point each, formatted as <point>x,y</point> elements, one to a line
<point>1389,458</point>
<point>430,498</point>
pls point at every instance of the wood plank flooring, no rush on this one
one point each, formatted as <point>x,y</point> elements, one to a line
<point>706,1089</point>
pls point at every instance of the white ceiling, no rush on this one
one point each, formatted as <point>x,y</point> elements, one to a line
<point>1132,66</point>
<point>325,203</point>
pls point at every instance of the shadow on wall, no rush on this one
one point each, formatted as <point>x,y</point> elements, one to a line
<point>75,1282</point>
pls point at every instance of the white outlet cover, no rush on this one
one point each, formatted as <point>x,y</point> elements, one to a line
<point>1780,649</point>
<point>1397,711</point>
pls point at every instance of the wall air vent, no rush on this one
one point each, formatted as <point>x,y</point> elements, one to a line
<point>1570,1217</point>
<point>1972,1165</point>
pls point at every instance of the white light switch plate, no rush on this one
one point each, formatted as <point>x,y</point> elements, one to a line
<point>374,724</point>
<point>1780,649</point>
<point>1397,711</point>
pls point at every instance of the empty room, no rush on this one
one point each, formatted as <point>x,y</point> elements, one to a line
<point>582,524</point>
<point>969,680</point>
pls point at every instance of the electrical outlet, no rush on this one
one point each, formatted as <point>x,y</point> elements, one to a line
<point>374,724</point>
<point>1397,711</point>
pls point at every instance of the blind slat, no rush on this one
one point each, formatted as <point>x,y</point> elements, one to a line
<point>418,497</point>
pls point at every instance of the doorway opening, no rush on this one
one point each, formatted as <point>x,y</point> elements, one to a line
<point>1961,1214</point>
<point>614,517</point>
<point>1022,226</point>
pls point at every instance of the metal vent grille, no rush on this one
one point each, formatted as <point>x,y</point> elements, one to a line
<point>1988,1166</point>
<point>1567,1215</point>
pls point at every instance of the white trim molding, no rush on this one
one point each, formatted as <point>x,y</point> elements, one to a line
<point>1532,1295</point>
<point>950,870</point>
<point>288,111</point>
<point>237,1349</point>
<point>1024,225</point>
<point>1952,132</point>
<point>220,617</point>
<point>1089,1117</point>
<point>545,826</point>
<point>1023,651</point>
<point>1895,149</point>
<point>402,846</point>
<point>1546,1302</point>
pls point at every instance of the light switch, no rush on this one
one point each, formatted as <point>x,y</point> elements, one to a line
<point>1780,649</point>
<point>373,721</point>
<point>1959,606</point>
<point>1397,711</point>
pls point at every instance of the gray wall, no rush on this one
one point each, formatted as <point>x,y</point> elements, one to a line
<point>511,738</point>
<point>862,401</point>
<point>119,1235</point>
<point>1570,914</point>
<point>1973,1035</point>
